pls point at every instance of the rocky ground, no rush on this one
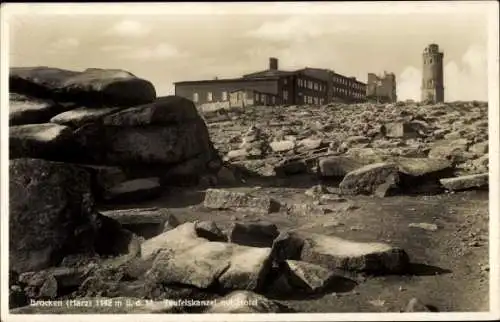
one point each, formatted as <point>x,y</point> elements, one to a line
<point>335,208</point>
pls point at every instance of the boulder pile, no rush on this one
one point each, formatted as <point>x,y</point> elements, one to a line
<point>378,149</point>
<point>111,123</point>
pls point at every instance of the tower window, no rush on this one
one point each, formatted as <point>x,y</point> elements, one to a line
<point>430,61</point>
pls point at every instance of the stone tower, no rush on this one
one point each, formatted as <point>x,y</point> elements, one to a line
<point>432,76</point>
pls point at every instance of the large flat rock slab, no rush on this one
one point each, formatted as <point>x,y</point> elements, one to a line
<point>183,257</point>
<point>44,141</point>
<point>336,253</point>
<point>338,166</point>
<point>419,167</point>
<point>115,145</point>
<point>93,86</point>
<point>367,179</point>
<point>476,181</point>
<point>333,252</point>
<point>135,216</point>
<point>29,110</point>
<point>134,190</point>
<point>225,199</point>
<point>422,175</point>
<point>166,110</point>
<point>80,116</point>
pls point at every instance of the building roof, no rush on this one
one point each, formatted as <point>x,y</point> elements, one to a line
<point>319,73</point>
<point>268,73</point>
<point>226,80</point>
<point>271,74</point>
<point>324,74</point>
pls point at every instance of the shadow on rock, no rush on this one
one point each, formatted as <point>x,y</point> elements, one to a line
<point>426,270</point>
<point>338,284</point>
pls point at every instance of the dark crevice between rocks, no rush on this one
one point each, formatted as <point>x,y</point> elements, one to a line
<point>417,269</point>
<point>298,291</point>
<point>145,230</point>
<point>421,185</point>
<point>21,86</point>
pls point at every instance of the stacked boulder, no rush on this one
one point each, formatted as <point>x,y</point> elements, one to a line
<point>111,122</point>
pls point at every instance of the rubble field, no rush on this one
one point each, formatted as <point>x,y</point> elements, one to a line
<point>120,197</point>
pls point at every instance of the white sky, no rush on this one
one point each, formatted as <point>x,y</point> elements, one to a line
<point>169,47</point>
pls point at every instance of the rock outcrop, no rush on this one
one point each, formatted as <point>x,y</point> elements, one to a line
<point>108,118</point>
<point>93,86</point>
<point>51,213</point>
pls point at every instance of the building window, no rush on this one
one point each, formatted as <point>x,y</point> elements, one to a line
<point>195,97</point>
<point>309,84</point>
<point>430,61</point>
<point>285,95</point>
<point>273,100</point>
<point>316,100</point>
<point>285,81</point>
<point>321,101</point>
<point>224,96</point>
<point>257,97</point>
<point>209,96</point>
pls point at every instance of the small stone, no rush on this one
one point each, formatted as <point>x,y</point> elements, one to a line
<point>237,154</point>
<point>414,305</point>
<point>315,191</point>
<point>474,243</point>
<point>329,198</point>
<point>282,146</point>
<point>426,226</point>
<point>485,268</point>
<point>377,302</point>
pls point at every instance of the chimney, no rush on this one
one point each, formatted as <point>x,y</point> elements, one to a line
<point>273,63</point>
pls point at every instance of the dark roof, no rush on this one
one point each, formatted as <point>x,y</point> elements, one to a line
<point>268,73</point>
<point>227,80</point>
<point>318,73</point>
<point>324,74</point>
